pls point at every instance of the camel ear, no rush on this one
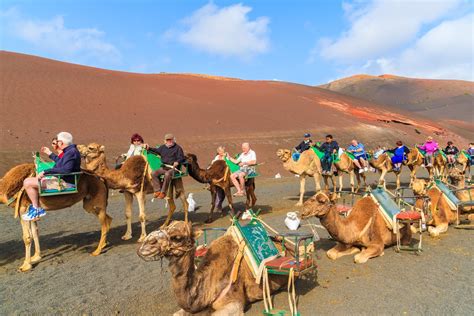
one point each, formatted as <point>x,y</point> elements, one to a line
<point>333,197</point>
<point>102,148</point>
<point>321,197</point>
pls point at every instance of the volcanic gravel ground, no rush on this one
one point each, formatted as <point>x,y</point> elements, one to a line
<point>70,281</point>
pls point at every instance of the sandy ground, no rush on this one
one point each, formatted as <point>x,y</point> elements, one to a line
<point>70,281</point>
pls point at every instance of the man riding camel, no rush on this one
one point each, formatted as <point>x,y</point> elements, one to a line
<point>360,156</point>
<point>172,156</point>
<point>303,146</point>
<point>246,160</point>
<point>329,148</point>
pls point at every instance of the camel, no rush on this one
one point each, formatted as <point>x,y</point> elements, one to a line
<point>415,160</point>
<point>384,165</point>
<point>205,286</point>
<point>218,177</point>
<point>465,162</point>
<point>92,191</point>
<point>132,179</point>
<point>346,165</point>
<point>442,215</point>
<point>457,179</point>
<point>364,229</point>
<point>307,165</point>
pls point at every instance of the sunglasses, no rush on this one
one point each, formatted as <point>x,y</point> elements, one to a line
<point>54,143</point>
<point>136,140</point>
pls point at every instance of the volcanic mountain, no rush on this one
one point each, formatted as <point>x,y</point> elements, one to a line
<point>40,97</point>
<point>450,102</point>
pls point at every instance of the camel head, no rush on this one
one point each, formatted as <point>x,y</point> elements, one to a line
<point>318,205</point>
<point>412,156</point>
<point>419,186</point>
<point>191,158</point>
<point>175,240</point>
<point>91,153</point>
<point>456,176</point>
<point>283,154</point>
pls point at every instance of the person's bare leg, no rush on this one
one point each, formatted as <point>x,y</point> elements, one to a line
<point>31,188</point>
<point>242,182</point>
<point>356,162</point>
<point>233,177</point>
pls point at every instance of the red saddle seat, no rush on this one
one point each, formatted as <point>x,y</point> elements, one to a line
<point>200,252</point>
<point>343,208</point>
<point>409,215</point>
<point>286,263</point>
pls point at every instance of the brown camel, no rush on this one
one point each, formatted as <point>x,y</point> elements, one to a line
<point>415,161</point>
<point>364,228</point>
<point>92,191</point>
<point>307,165</point>
<point>384,165</point>
<point>464,194</point>
<point>465,162</point>
<point>442,215</point>
<point>218,177</point>
<point>346,165</point>
<point>133,180</point>
<point>205,286</point>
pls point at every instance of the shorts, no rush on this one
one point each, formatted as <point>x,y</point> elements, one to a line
<point>246,170</point>
<point>53,183</point>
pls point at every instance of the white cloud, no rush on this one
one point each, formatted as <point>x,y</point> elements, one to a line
<point>54,37</point>
<point>225,31</point>
<point>381,26</point>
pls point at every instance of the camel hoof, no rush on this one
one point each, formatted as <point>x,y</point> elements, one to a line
<point>360,259</point>
<point>433,231</point>
<point>299,204</point>
<point>142,238</point>
<point>96,252</point>
<point>331,254</point>
<point>25,267</point>
<point>35,259</point>
<point>126,237</point>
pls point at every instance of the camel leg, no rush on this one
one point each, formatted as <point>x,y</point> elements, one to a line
<point>25,225</point>
<point>252,193</point>
<point>351,180</point>
<point>34,231</point>
<point>213,190</point>
<point>341,250</point>
<point>228,195</point>
<point>105,221</point>
<point>334,186</point>
<point>317,181</point>
<point>398,180</point>
<point>413,175</point>
<point>372,251</point>
<point>382,177</point>
<point>128,214</point>
<point>233,308</point>
<point>171,209</point>
<point>141,198</point>
<point>340,182</point>
<point>302,187</point>
<point>182,196</point>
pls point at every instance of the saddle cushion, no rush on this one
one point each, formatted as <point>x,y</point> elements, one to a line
<point>409,215</point>
<point>286,263</point>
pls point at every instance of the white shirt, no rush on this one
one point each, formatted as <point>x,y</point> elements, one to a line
<point>134,150</point>
<point>250,156</point>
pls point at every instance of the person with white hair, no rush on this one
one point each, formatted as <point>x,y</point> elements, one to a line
<point>246,161</point>
<point>69,162</point>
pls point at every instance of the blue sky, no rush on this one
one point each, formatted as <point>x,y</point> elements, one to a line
<point>309,42</point>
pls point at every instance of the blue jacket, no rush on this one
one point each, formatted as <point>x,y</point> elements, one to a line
<point>69,162</point>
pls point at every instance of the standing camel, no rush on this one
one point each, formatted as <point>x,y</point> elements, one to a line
<point>384,165</point>
<point>345,165</point>
<point>309,165</point>
<point>218,177</point>
<point>92,191</point>
<point>134,180</point>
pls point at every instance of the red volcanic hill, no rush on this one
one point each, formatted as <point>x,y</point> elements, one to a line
<point>40,97</point>
<point>451,101</point>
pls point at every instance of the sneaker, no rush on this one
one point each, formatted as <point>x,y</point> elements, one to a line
<point>422,165</point>
<point>366,169</point>
<point>32,214</point>
<point>41,212</point>
<point>361,170</point>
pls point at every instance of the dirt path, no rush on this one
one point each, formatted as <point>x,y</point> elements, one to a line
<point>70,281</point>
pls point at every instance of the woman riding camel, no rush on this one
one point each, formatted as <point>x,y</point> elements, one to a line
<point>430,147</point>
<point>451,151</point>
<point>221,154</point>
<point>399,155</point>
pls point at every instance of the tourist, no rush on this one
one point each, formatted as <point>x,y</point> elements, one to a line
<point>246,161</point>
<point>329,148</point>
<point>399,155</point>
<point>360,156</point>
<point>451,151</point>
<point>68,163</point>
<point>430,147</point>
<point>172,156</point>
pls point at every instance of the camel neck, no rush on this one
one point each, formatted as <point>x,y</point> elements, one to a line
<point>197,173</point>
<point>332,222</point>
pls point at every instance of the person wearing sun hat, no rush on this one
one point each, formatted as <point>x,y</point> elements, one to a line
<point>172,156</point>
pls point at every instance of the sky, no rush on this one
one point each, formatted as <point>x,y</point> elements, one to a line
<point>308,42</point>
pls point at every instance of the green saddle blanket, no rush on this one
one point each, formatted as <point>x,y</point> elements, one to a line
<point>42,165</point>
<point>154,161</point>
<point>318,152</point>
